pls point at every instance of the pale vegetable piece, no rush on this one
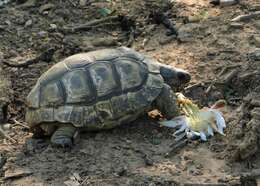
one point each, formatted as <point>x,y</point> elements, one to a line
<point>197,123</point>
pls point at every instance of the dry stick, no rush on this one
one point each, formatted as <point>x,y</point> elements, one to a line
<point>45,56</point>
<point>85,28</point>
<point>19,123</point>
<point>246,17</point>
<point>92,24</point>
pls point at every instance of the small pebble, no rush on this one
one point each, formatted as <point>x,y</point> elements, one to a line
<point>28,23</point>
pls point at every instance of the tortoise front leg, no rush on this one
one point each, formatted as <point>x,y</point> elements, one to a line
<point>166,103</point>
<point>64,135</point>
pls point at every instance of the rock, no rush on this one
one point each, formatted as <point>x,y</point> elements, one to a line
<point>194,19</point>
<point>46,7</point>
<point>257,24</point>
<point>255,56</point>
<point>255,40</point>
<point>3,2</point>
<point>187,32</point>
<point>83,2</point>
<point>254,7</point>
<point>167,39</point>
<point>28,23</point>
<point>53,26</point>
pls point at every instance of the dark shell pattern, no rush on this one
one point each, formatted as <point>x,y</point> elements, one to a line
<point>95,90</point>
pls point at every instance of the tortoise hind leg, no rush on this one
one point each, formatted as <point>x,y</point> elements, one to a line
<point>64,135</point>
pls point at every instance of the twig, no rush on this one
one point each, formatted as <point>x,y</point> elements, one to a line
<point>19,123</point>
<point>45,56</point>
<point>246,17</point>
<point>90,25</point>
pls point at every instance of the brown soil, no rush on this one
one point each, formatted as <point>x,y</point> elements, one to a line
<point>221,56</point>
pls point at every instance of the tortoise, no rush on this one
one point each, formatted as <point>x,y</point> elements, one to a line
<point>100,90</point>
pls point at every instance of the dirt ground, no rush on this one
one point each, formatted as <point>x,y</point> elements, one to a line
<point>222,56</point>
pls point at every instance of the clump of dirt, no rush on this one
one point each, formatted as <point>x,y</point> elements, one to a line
<point>222,56</point>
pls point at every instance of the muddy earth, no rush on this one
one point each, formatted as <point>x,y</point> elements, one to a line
<point>222,56</point>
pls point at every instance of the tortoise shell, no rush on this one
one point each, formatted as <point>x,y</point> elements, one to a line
<point>95,90</point>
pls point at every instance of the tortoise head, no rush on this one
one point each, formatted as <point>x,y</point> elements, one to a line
<point>174,77</point>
